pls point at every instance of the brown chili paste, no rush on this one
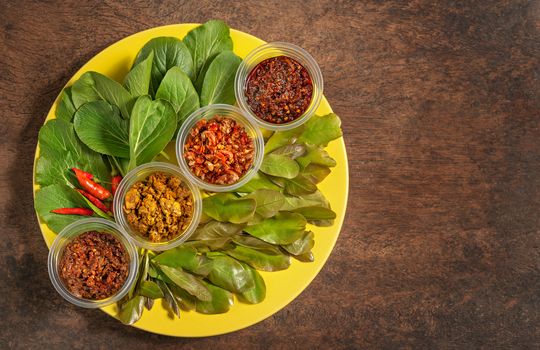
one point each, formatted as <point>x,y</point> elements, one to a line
<point>279,90</point>
<point>94,265</point>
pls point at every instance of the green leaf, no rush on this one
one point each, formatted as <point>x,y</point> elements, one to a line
<point>131,311</point>
<point>226,207</point>
<point>176,87</point>
<point>316,199</point>
<point>96,210</point>
<point>170,300</point>
<point>186,281</point>
<point>54,197</point>
<point>282,138</point>
<point>265,260</point>
<point>316,173</point>
<point>168,52</point>
<point>302,245</point>
<point>205,42</point>
<point>319,130</point>
<point>229,274</point>
<point>284,228</point>
<point>307,257</point>
<point>65,108</point>
<point>137,81</point>
<point>268,202</point>
<point>257,182</point>
<point>218,85</point>
<point>152,126</point>
<point>316,213</point>
<point>279,165</point>
<point>257,293</point>
<point>316,155</point>
<point>93,86</point>
<point>101,128</point>
<point>150,289</point>
<point>221,302</point>
<point>299,186</point>
<point>185,258</point>
<point>216,229</point>
<point>292,151</point>
<point>185,300</point>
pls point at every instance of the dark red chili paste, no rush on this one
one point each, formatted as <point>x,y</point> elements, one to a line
<point>94,265</point>
<point>279,90</point>
<point>219,150</point>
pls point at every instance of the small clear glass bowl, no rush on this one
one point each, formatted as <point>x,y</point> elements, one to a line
<point>209,112</point>
<point>69,233</point>
<point>140,173</point>
<point>270,50</point>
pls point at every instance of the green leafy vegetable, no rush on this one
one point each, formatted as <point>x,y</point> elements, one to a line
<point>168,52</point>
<point>150,289</point>
<point>316,213</point>
<point>186,281</point>
<point>257,293</point>
<point>54,197</point>
<point>93,86</point>
<point>152,126</point>
<point>216,229</point>
<point>284,228</point>
<point>299,186</point>
<point>258,182</point>
<point>65,109</point>
<point>315,199</point>
<point>226,207</point>
<point>221,302</point>
<point>268,202</point>
<point>218,84</point>
<point>265,260</point>
<point>131,311</point>
<point>185,258</point>
<point>176,87</point>
<point>316,155</point>
<point>229,274</point>
<point>316,173</point>
<point>170,299</point>
<point>292,151</point>
<point>302,245</point>
<point>137,81</point>
<point>320,130</point>
<point>204,43</point>
<point>280,165</point>
<point>282,138</point>
<point>99,125</point>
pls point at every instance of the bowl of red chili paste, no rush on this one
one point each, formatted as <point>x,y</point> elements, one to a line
<point>218,148</point>
<point>279,85</point>
<point>92,263</point>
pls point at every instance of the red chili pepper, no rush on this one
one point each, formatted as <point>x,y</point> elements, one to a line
<point>115,182</point>
<point>90,186</point>
<point>73,211</point>
<point>85,173</point>
<point>94,200</point>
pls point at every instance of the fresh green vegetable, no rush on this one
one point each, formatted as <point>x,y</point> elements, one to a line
<point>185,258</point>
<point>57,196</point>
<point>284,228</point>
<point>264,260</point>
<point>150,289</point>
<point>93,86</point>
<point>137,81</point>
<point>186,281</point>
<point>302,245</point>
<point>65,109</point>
<point>221,302</point>
<point>257,293</point>
<point>99,125</point>
<point>268,202</point>
<point>204,43</point>
<point>168,52</point>
<point>132,310</point>
<point>320,130</point>
<point>176,87</point>
<point>227,207</point>
<point>152,126</point>
<point>218,84</point>
<point>300,185</point>
<point>280,166</point>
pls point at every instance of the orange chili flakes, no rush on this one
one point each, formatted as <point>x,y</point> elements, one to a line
<point>219,150</point>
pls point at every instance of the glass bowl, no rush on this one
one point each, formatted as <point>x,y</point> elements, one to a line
<point>209,112</point>
<point>140,173</point>
<point>69,233</point>
<point>270,50</point>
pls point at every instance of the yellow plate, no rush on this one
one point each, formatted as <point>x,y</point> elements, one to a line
<point>282,286</point>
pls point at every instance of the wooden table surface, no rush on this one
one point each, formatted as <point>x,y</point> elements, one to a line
<point>440,105</point>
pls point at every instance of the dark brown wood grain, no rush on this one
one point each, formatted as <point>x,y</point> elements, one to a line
<point>440,105</point>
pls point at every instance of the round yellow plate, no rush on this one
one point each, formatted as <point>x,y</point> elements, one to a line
<point>282,286</point>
